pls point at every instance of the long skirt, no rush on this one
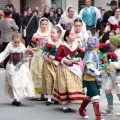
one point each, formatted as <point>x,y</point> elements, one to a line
<point>18,84</point>
<point>48,77</point>
<point>36,71</point>
<point>68,86</point>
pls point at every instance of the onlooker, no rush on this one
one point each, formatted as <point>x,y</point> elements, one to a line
<point>7,28</point>
<point>15,15</point>
<point>30,23</point>
<point>35,12</point>
<point>89,14</point>
<point>99,21</point>
<point>109,13</point>
<point>1,14</point>
<point>59,12</point>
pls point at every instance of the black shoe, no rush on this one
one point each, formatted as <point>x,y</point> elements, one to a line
<point>66,110</point>
<point>70,110</point>
<point>18,103</point>
<point>14,102</point>
<point>56,102</point>
<point>48,103</point>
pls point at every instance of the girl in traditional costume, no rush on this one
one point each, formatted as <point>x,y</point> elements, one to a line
<point>81,36</point>
<point>18,83</point>
<point>49,64</point>
<point>68,85</point>
<point>41,37</point>
<point>90,73</point>
<point>110,85</point>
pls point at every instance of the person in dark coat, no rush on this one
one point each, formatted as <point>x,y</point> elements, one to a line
<point>109,13</point>
<point>15,15</point>
<point>32,27</point>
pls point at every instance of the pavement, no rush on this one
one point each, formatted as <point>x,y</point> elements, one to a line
<point>37,110</point>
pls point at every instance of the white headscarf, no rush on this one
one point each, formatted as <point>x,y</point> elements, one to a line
<point>66,12</point>
<point>48,29</point>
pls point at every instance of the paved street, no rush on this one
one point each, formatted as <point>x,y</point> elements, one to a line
<point>35,110</point>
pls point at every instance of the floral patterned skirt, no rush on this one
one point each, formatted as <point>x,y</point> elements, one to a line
<point>48,77</point>
<point>68,86</point>
<point>36,70</point>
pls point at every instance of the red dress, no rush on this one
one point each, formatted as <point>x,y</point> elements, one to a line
<point>68,86</point>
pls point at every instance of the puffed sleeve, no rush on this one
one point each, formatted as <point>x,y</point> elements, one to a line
<point>58,56</point>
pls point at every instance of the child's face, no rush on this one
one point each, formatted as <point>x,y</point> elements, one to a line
<point>71,37</point>
<point>54,35</point>
<point>16,42</point>
<point>77,26</point>
<point>44,25</point>
<point>111,35</point>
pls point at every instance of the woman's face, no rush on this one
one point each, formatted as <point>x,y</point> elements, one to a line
<point>77,26</point>
<point>47,10</point>
<point>113,47</point>
<point>16,42</point>
<point>44,25</point>
<point>59,11</point>
<point>71,12</point>
<point>111,35</point>
<point>117,12</point>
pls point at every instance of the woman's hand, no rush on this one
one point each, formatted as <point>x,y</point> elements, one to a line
<point>25,60</point>
<point>46,58</point>
<point>68,62</point>
<point>52,57</point>
<point>75,60</point>
<point>35,49</point>
<point>102,72</point>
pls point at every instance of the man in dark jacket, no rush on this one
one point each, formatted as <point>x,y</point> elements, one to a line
<point>31,22</point>
<point>109,13</point>
<point>15,15</point>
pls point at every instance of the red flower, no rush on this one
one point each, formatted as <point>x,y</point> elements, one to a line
<point>49,46</point>
<point>112,55</point>
<point>35,41</point>
<point>31,53</point>
<point>102,45</point>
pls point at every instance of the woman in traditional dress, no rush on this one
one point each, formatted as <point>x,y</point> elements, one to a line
<point>18,83</point>
<point>114,22</point>
<point>68,85</point>
<point>49,64</point>
<point>41,37</point>
<point>67,18</point>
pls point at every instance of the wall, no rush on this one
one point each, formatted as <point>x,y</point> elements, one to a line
<point>72,2</point>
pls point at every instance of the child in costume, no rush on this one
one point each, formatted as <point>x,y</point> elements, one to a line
<point>80,34</point>
<point>49,64</point>
<point>41,37</point>
<point>110,85</point>
<point>68,84</point>
<point>90,74</point>
<point>18,83</point>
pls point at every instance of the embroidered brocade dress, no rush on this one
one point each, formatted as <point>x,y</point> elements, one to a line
<point>49,73</point>
<point>36,63</point>
<point>68,84</point>
<point>18,84</point>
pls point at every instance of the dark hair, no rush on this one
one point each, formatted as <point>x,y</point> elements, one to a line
<point>103,10</point>
<point>60,9</point>
<point>67,33</point>
<point>70,8</point>
<point>28,8</point>
<point>16,35</point>
<point>43,19</point>
<point>78,20</point>
<point>58,29</point>
<point>7,12</point>
<point>10,5</point>
<point>35,11</point>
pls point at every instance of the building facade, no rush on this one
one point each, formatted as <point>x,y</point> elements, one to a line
<point>78,4</point>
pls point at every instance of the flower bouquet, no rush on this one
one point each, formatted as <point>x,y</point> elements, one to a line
<point>33,43</point>
<point>103,50</point>
<point>80,53</point>
<point>50,49</point>
<point>28,54</point>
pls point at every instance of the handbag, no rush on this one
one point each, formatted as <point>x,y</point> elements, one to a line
<point>24,31</point>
